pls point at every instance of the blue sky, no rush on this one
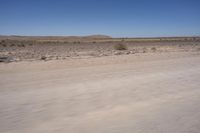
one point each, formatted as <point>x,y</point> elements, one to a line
<point>117,18</point>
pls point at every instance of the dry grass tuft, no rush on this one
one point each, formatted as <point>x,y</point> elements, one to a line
<point>153,49</point>
<point>43,58</point>
<point>120,47</point>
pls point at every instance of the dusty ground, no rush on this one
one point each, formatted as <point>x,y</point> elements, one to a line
<point>140,93</point>
<point>46,48</point>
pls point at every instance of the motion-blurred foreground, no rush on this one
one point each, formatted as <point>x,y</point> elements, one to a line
<point>153,89</point>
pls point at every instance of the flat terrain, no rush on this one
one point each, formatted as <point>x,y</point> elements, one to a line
<point>18,49</point>
<point>137,93</point>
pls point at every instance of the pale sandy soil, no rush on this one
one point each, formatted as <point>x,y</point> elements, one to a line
<point>23,51</point>
<point>137,93</point>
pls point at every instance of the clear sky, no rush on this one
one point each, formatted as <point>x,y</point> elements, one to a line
<point>117,18</point>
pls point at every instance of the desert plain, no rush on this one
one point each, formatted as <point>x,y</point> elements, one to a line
<point>99,84</point>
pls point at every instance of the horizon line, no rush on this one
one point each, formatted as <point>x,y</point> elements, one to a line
<point>90,35</point>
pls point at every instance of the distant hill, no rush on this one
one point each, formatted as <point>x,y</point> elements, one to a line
<point>98,36</point>
<point>16,37</point>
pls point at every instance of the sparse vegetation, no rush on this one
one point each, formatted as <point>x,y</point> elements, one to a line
<point>120,47</point>
<point>76,42</point>
<point>12,45</point>
<point>37,48</point>
<point>153,49</point>
<point>43,58</point>
<point>4,45</point>
<point>144,50</point>
<point>21,45</point>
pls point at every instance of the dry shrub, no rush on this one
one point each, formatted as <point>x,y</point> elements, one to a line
<point>43,58</point>
<point>76,42</point>
<point>12,45</point>
<point>120,47</point>
<point>4,45</point>
<point>153,49</point>
<point>21,45</point>
<point>144,50</point>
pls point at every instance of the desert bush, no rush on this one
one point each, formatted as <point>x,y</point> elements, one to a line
<point>43,58</point>
<point>21,45</point>
<point>153,49</point>
<point>144,50</point>
<point>76,42</point>
<point>12,45</point>
<point>4,45</point>
<point>120,47</point>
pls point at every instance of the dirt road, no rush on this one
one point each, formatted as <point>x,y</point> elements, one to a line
<point>144,93</point>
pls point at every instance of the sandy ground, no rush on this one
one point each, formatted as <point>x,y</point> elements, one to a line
<point>23,51</point>
<point>139,93</point>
